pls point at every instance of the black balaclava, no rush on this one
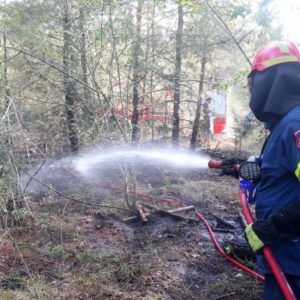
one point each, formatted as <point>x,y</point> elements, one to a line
<point>275,91</point>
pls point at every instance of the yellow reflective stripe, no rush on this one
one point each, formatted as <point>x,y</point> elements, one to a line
<point>278,60</point>
<point>297,171</point>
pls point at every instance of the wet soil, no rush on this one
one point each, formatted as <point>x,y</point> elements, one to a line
<point>75,251</point>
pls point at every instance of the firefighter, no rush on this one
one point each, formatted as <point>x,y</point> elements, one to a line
<point>274,84</point>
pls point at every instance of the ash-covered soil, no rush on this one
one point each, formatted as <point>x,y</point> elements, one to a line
<point>71,250</point>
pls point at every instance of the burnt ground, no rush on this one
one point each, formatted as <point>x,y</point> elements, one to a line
<point>69,250</point>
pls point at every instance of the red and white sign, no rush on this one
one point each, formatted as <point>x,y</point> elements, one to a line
<point>218,111</point>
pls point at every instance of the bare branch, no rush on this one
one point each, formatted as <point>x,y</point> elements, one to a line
<point>76,200</point>
<point>227,29</point>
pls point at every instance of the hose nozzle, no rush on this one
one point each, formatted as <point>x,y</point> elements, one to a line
<point>214,164</point>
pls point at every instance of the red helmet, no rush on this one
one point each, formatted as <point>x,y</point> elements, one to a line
<point>276,52</point>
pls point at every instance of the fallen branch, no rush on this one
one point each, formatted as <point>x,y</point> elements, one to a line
<point>165,212</point>
<point>179,217</point>
<point>182,209</point>
<point>134,218</point>
<point>223,222</point>
<point>171,213</point>
<point>141,214</point>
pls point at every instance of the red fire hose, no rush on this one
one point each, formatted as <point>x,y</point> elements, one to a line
<point>219,248</point>
<point>211,233</point>
<point>267,252</point>
<point>271,260</point>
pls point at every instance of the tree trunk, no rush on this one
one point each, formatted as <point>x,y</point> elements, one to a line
<point>5,77</point>
<point>10,202</point>
<point>87,115</point>
<point>176,119</point>
<point>136,77</point>
<point>69,84</point>
<point>145,107</point>
<point>193,142</point>
<point>115,56</point>
<point>151,74</point>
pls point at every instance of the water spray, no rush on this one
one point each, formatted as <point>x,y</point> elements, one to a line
<point>99,163</point>
<point>97,159</point>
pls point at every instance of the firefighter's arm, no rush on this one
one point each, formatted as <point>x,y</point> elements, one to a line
<point>284,225</point>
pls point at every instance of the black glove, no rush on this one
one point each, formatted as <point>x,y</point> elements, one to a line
<point>230,171</point>
<point>232,161</point>
<point>228,166</point>
<point>284,225</point>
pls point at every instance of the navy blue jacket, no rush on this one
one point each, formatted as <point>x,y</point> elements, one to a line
<point>280,185</point>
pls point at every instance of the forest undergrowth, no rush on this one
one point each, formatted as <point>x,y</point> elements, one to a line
<point>68,250</point>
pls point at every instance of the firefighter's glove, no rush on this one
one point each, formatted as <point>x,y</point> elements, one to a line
<point>229,171</point>
<point>253,240</point>
<point>232,161</point>
<point>228,166</point>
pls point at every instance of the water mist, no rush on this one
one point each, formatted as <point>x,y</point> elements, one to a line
<point>107,166</point>
<point>98,159</point>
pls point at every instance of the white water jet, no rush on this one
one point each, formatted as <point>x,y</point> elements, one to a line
<point>106,164</point>
<point>97,159</point>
